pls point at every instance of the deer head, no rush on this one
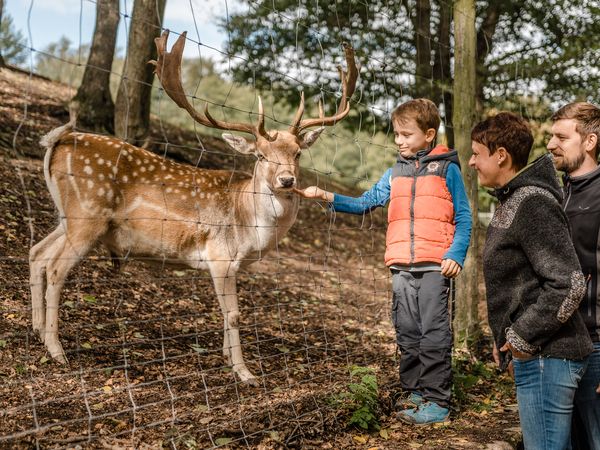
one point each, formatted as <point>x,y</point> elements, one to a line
<point>278,152</point>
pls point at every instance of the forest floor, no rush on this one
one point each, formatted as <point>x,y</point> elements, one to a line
<point>144,345</point>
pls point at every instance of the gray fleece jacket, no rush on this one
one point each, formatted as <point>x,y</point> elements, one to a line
<point>533,279</point>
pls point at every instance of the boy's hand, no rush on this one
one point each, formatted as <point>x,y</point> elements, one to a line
<point>450,268</point>
<point>314,192</point>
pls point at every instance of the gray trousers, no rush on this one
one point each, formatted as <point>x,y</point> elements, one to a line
<point>421,319</point>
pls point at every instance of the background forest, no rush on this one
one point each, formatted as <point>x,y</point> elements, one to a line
<point>531,56</point>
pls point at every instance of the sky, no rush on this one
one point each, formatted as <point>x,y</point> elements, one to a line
<point>45,21</point>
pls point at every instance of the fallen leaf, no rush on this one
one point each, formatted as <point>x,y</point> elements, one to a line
<point>361,438</point>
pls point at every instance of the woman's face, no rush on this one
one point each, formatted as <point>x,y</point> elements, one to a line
<point>488,167</point>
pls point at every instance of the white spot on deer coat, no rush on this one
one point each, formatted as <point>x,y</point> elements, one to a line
<point>88,170</point>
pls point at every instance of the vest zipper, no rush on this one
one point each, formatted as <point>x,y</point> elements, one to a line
<point>412,213</point>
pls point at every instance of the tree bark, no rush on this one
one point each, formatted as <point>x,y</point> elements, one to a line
<point>132,111</point>
<point>441,67</point>
<point>2,63</point>
<point>96,108</point>
<point>466,323</point>
<point>424,70</point>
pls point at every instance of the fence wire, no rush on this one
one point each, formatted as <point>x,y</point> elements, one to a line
<point>144,343</point>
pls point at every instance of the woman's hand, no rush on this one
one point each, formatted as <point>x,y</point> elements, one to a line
<point>516,354</point>
<point>496,355</point>
<point>315,193</point>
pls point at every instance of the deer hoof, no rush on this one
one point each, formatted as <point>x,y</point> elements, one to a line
<point>246,377</point>
<point>251,382</point>
<point>57,352</point>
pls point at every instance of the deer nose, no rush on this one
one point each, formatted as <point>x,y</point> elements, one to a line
<point>287,182</point>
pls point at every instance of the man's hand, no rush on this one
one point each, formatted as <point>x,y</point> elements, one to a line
<point>450,268</point>
<point>598,389</point>
<point>315,193</point>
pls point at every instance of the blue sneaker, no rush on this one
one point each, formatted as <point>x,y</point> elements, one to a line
<point>426,413</point>
<point>412,401</point>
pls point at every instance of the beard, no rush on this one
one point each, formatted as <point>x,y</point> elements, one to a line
<point>569,165</point>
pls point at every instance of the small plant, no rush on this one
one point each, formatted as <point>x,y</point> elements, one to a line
<point>361,399</point>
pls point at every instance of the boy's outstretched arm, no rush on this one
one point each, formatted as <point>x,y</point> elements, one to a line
<point>377,196</point>
<point>315,193</point>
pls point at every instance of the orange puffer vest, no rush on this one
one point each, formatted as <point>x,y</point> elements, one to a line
<point>421,213</point>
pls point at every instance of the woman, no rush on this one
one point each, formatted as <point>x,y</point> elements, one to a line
<point>533,280</point>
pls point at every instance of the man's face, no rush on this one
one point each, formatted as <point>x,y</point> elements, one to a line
<point>410,138</point>
<point>566,146</point>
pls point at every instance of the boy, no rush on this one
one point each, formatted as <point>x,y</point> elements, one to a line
<point>429,228</point>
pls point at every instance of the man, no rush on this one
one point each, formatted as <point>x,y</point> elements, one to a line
<point>575,146</point>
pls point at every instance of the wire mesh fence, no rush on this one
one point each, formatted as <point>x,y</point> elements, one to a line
<point>143,340</point>
<point>144,344</point>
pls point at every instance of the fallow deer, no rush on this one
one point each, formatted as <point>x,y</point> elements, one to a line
<point>140,205</point>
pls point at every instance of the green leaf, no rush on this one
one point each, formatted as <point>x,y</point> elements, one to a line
<point>282,348</point>
<point>138,335</point>
<point>86,345</point>
<point>179,273</point>
<point>43,360</point>
<point>223,441</point>
<point>89,299</point>
<point>197,348</point>
<point>3,343</point>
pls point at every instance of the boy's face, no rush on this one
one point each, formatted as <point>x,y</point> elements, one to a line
<point>410,138</point>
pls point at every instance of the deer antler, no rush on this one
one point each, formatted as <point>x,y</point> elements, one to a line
<point>168,71</point>
<point>348,87</point>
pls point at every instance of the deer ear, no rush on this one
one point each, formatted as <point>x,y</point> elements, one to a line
<point>310,137</point>
<point>240,144</point>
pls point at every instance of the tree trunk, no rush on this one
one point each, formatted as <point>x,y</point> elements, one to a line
<point>95,105</point>
<point>132,112</point>
<point>2,63</point>
<point>442,76</point>
<point>424,70</point>
<point>466,323</point>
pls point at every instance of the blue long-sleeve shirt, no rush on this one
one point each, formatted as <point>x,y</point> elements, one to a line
<point>379,195</point>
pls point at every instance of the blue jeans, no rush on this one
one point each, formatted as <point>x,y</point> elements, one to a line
<point>587,405</point>
<point>545,394</point>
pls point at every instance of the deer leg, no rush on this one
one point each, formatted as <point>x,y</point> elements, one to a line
<point>224,279</point>
<point>38,258</point>
<point>75,246</point>
<point>226,346</point>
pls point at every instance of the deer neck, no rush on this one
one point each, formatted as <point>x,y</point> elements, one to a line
<point>265,208</point>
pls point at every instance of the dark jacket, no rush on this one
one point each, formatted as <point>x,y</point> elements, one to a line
<point>533,279</point>
<point>582,206</point>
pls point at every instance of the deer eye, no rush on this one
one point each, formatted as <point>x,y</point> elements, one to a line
<point>260,156</point>
<point>297,156</point>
